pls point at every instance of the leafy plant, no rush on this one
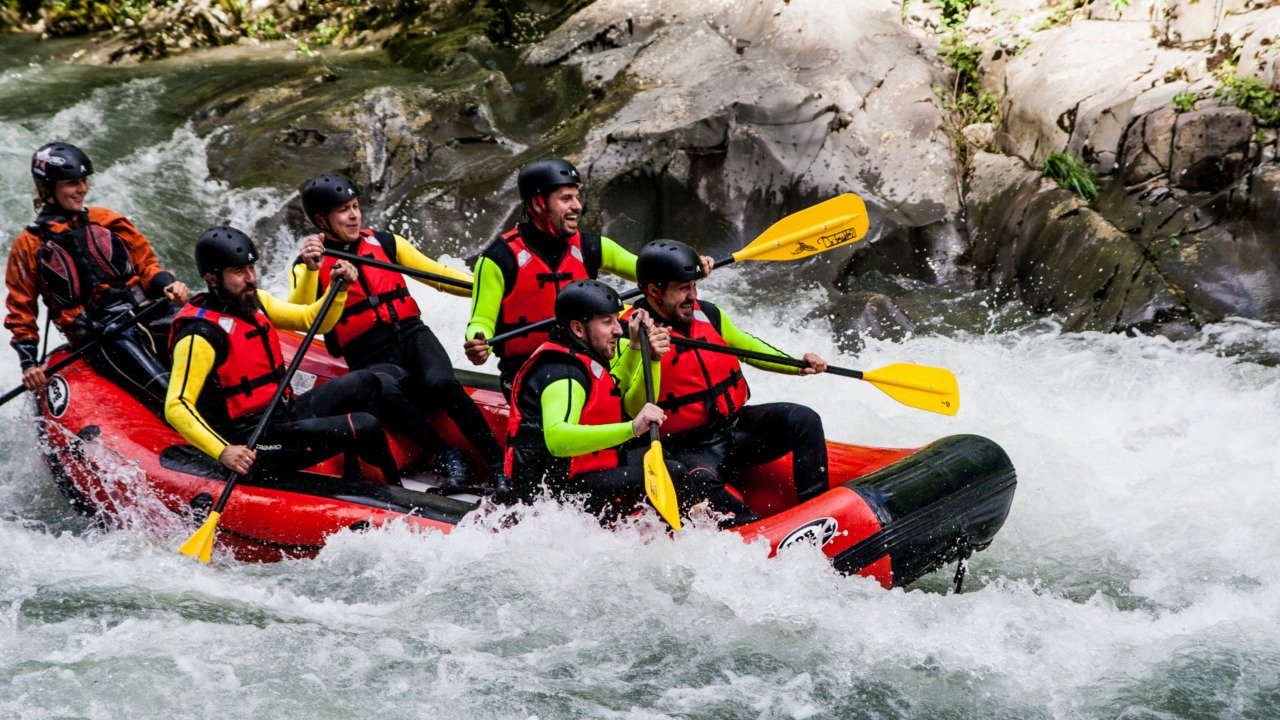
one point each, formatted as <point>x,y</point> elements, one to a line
<point>1249,94</point>
<point>264,28</point>
<point>955,12</point>
<point>1061,13</point>
<point>1184,101</point>
<point>1071,174</point>
<point>1119,6</point>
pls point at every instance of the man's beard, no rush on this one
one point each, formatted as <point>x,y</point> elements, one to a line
<point>245,304</point>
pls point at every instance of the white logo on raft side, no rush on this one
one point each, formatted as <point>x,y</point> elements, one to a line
<point>57,396</point>
<point>817,532</point>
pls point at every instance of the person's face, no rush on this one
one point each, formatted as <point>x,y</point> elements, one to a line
<point>600,333</point>
<point>676,301</point>
<point>237,284</point>
<point>69,194</point>
<point>344,221</point>
<point>563,206</point>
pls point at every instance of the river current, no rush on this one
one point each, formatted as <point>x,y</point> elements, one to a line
<point>1137,576</point>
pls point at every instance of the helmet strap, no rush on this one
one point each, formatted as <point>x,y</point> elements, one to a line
<point>537,212</point>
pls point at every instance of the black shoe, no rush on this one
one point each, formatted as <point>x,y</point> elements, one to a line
<point>500,486</point>
<point>452,469</point>
<point>737,513</point>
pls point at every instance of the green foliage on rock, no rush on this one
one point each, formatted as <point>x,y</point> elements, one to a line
<point>966,103</point>
<point>1184,101</point>
<point>1249,94</point>
<point>75,17</point>
<point>1071,174</point>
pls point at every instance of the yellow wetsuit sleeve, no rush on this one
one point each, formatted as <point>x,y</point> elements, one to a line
<point>486,298</point>
<point>746,341</point>
<point>193,360</point>
<point>628,372</point>
<point>410,257</point>
<point>562,403</point>
<point>297,316</point>
<point>304,284</point>
<point>617,260</point>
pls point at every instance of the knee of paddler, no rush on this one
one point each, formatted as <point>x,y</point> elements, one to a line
<point>364,425</point>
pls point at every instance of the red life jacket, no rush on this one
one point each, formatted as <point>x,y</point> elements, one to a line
<point>603,407</point>
<point>79,262</point>
<point>698,385</point>
<point>533,297</point>
<point>381,296</point>
<point>250,369</point>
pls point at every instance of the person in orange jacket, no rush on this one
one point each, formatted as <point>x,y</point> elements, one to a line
<point>90,265</point>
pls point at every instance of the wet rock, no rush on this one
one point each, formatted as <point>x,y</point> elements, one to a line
<point>865,315</point>
<point>745,111</point>
<point>1147,146</point>
<point>1212,148</point>
<point>1040,244</point>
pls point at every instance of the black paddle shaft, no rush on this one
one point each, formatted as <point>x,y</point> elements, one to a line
<point>393,267</point>
<point>111,332</point>
<point>766,357</point>
<point>234,476</point>
<point>544,324</point>
<point>648,377</point>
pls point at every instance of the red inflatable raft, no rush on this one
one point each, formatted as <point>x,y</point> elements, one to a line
<point>893,514</point>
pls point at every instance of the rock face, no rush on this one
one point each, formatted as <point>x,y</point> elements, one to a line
<point>1180,233</point>
<point>746,110</point>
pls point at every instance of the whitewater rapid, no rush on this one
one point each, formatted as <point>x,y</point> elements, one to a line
<point>1136,577</point>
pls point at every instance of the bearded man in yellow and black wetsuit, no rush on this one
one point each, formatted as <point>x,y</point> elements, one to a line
<point>382,324</point>
<point>519,274</point>
<point>227,366</point>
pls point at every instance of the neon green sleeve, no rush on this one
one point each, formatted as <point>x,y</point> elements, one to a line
<point>616,260</point>
<point>193,360</point>
<point>562,404</point>
<point>486,298</point>
<point>627,370</point>
<point>410,257</point>
<point>304,285</point>
<point>746,341</point>
<point>299,316</point>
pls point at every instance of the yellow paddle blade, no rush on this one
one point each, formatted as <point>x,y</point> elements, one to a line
<point>842,220</point>
<point>658,485</point>
<point>928,388</point>
<point>200,545</point>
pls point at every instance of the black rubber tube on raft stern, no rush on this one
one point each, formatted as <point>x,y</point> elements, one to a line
<point>953,493</point>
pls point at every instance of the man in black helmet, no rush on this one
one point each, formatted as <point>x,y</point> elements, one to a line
<point>575,405</point>
<point>381,323</point>
<point>227,366</point>
<point>704,393</point>
<point>519,274</point>
<point>90,265</point>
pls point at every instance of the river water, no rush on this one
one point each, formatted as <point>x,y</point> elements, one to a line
<point>1137,575</point>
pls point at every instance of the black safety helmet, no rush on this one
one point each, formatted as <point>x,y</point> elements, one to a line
<point>325,192</point>
<point>585,299</point>
<point>59,161</point>
<point>223,247</point>
<point>667,261</point>
<point>542,176</point>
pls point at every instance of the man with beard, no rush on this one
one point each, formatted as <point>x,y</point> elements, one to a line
<point>227,366</point>
<point>704,393</point>
<point>518,275</point>
<point>381,323</point>
<point>90,265</point>
<point>572,413</point>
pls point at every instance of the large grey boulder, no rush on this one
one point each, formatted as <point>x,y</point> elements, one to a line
<point>746,111</point>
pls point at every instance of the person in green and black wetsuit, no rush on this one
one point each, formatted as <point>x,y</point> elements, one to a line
<point>580,399</point>
<point>704,394</point>
<point>518,274</point>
